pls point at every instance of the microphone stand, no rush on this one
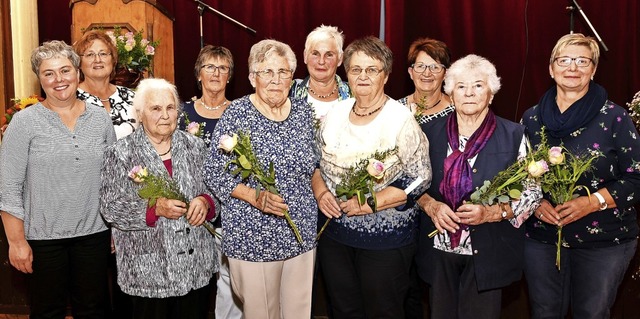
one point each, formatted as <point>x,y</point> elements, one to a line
<point>573,5</point>
<point>202,6</point>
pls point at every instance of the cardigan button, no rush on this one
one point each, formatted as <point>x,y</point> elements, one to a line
<point>475,251</point>
<point>190,251</point>
<point>188,230</point>
<point>475,170</point>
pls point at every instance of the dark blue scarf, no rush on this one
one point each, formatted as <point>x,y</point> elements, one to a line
<point>559,125</point>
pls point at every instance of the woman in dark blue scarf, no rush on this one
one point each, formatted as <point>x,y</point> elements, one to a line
<point>599,227</point>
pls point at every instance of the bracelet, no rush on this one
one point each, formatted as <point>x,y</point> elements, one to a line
<point>601,200</point>
<point>322,194</point>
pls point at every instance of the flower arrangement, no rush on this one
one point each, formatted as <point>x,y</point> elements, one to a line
<point>18,105</point>
<point>194,128</point>
<point>248,166</point>
<point>154,187</point>
<point>359,180</point>
<point>634,108</point>
<point>134,51</point>
<point>564,171</point>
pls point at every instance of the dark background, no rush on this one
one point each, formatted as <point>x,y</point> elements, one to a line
<point>516,35</point>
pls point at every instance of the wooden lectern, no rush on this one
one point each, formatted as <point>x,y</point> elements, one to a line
<point>130,15</point>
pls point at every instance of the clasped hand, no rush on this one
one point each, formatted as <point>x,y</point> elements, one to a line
<point>174,209</point>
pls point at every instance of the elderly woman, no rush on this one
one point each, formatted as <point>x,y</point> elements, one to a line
<point>599,227</point>
<point>165,256</point>
<point>271,271</point>
<point>99,59</point>
<point>478,249</point>
<point>366,250</point>
<point>213,70</point>
<point>322,55</point>
<point>428,60</point>
<point>50,164</point>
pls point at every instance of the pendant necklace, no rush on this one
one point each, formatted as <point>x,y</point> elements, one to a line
<point>424,108</point>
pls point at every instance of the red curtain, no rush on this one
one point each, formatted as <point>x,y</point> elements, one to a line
<point>517,36</point>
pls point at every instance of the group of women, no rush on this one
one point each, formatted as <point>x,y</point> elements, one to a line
<point>61,169</point>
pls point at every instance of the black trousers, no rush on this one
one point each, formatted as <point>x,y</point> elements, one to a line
<point>364,283</point>
<point>454,292</point>
<point>193,305</point>
<point>71,267</point>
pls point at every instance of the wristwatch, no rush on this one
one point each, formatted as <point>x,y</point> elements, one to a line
<point>504,211</point>
<point>603,203</point>
<point>372,203</point>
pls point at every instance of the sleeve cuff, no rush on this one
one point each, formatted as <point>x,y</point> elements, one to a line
<point>151,217</point>
<point>212,207</point>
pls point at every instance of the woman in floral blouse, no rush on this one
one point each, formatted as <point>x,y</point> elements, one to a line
<point>599,226</point>
<point>99,58</point>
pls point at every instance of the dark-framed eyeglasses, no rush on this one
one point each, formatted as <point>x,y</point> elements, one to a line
<point>435,68</point>
<point>211,68</point>
<point>581,62</point>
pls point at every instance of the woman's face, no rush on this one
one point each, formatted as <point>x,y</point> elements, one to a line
<point>362,84</point>
<point>271,87</point>
<point>160,114</point>
<point>426,81</point>
<point>214,74</point>
<point>97,61</point>
<point>573,77</point>
<point>58,78</point>
<point>323,60</point>
<point>471,94</point>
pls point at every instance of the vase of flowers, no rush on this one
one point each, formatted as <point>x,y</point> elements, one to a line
<point>135,56</point>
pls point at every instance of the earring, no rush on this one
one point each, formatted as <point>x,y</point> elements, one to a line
<point>552,76</point>
<point>592,78</point>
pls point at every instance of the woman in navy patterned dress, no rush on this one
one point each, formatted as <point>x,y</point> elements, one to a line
<point>271,272</point>
<point>599,227</point>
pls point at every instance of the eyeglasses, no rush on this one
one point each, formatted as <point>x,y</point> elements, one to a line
<point>92,55</point>
<point>565,61</point>
<point>434,68</point>
<point>210,68</point>
<point>269,74</point>
<point>370,71</point>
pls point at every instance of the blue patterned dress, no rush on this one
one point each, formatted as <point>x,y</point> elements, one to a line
<point>250,234</point>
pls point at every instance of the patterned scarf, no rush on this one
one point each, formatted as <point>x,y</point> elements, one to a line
<point>457,182</point>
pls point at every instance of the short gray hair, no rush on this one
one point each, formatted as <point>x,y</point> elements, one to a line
<point>324,32</point>
<point>371,47</point>
<point>266,49</point>
<point>471,63</point>
<point>153,86</point>
<point>53,49</point>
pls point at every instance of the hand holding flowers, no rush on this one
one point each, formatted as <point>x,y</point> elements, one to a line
<point>248,166</point>
<point>154,188</point>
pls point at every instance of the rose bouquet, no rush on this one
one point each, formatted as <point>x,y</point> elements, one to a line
<point>134,51</point>
<point>360,179</point>
<point>248,167</point>
<point>154,187</point>
<point>560,183</point>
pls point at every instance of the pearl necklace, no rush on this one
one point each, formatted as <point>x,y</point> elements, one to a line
<point>324,96</point>
<point>213,108</point>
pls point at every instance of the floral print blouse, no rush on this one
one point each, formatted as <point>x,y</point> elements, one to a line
<point>612,134</point>
<point>122,113</point>
<point>250,234</point>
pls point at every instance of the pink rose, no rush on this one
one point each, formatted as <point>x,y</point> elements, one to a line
<point>228,143</point>
<point>193,128</point>
<point>536,169</point>
<point>375,168</point>
<point>138,174</point>
<point>555,155</point>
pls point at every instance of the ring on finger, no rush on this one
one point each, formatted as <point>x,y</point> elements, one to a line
<point>540,217</point>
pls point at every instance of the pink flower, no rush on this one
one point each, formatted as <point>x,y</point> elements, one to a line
<point>596,145</point>
<point>228,143</point>
<point>536,169</point>
<point>375,168</point>
<point>555,155</point>
<point>149,50</point>
<point>138,174</point>
<point>193,128</point>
